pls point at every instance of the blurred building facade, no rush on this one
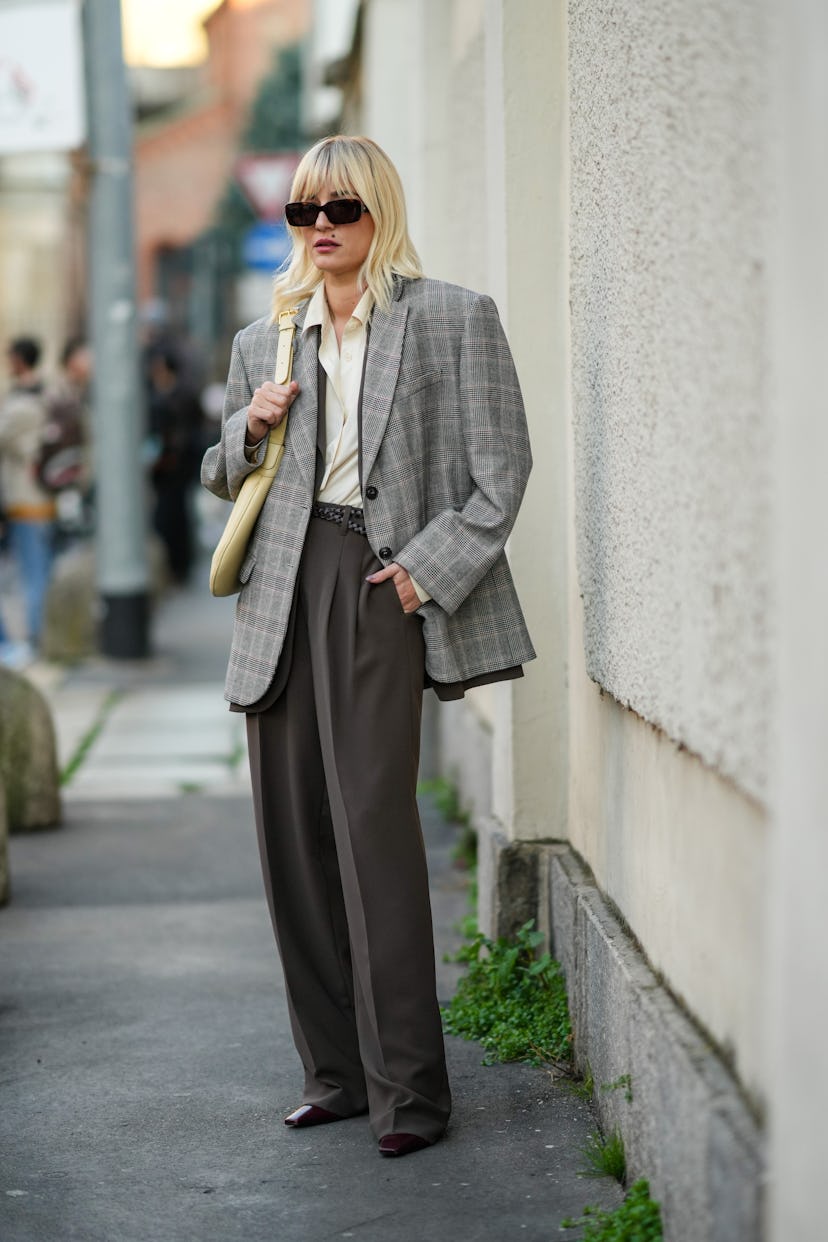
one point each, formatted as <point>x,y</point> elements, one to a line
<point>42,249</point>
<point>188,125</point>
<point>42,279</point>
<point>186,145</point>
<point>640,190</point>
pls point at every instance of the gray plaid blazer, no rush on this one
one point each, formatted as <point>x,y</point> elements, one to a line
<point>444,444</point>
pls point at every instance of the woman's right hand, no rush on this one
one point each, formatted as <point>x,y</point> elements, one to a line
<point>268,407</point>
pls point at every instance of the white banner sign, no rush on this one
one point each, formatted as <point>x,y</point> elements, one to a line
<point>41,76</point>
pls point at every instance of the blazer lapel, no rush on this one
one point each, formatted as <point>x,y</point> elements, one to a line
<point>302,415</point>
<point>383,364</point>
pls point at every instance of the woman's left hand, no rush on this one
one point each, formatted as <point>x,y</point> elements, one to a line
<point>409,598</point>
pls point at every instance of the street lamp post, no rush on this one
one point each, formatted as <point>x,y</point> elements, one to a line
<point>117,414</point>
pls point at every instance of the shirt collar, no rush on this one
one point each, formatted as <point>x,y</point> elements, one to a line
<point>319,315</point>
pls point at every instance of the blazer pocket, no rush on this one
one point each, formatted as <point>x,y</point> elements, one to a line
<point>407,387</point>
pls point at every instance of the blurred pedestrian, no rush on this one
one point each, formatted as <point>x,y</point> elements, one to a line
<point>29,509</point>
<point>176,423</point>
<point>376,566</point>
<point>65,465</point>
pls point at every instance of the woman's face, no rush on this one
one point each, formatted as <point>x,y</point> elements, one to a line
<point>340,250</point>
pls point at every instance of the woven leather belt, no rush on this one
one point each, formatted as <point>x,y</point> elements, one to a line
<point>335,513</point>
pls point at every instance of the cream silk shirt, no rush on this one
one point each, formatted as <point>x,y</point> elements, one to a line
<point>343,367</point>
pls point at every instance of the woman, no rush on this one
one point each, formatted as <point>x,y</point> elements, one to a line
<point>376,567</point>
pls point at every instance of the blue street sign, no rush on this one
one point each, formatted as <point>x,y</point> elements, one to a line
<point>266,245</point>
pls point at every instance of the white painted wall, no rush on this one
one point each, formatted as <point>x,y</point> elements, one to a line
<point>797,1008</point>
<point>683,854</point>
<point>329,39</point>
<point>531,734</point>
<point>479,136</point>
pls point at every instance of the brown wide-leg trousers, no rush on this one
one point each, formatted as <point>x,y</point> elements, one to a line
<point>334,766</point>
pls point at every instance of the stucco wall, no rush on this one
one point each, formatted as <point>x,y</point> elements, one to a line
<point>670,198</point>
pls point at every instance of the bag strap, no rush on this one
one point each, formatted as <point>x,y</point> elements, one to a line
<point>282,374</point>
<point>284,351</point>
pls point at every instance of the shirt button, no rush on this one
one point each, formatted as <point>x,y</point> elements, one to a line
<point>371,492</point>
<point>347,355</point>
<point>385,554</point>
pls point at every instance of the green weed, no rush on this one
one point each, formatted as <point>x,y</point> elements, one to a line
<point>584,1087</point>
<point>637,1219</point>
<point>90,737</point>
<point>511,1000</point>
<point>445,798</point>
<point>236,755</point>
<point>464,854</point>
<point>623,1082</point>
<point>605,1156</point>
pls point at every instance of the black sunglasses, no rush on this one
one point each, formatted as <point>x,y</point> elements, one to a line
<point>338,211</point>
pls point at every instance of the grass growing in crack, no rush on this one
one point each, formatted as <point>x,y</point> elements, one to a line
<point>624,1082</point>
<point>584,1087</point>
<point>90,736</point>
<point>464,854</point>
<point>445,797</point>
<point>512,1000</point>
<point>605,1156</point>
<point>637,1219</point>
<point>236,755</point>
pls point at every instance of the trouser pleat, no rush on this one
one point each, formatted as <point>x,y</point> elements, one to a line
<point>334,766</point>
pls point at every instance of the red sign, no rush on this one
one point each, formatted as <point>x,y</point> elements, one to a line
<point>266,181</point>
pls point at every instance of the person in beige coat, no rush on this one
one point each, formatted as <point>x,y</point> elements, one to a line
<point>376,568</point>
<point>28,510</point>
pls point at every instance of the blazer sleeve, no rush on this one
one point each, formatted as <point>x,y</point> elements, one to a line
<point>458,546</point>
<point>226,465</point>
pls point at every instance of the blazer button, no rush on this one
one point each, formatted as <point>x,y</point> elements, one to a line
<point>385,554</point>
<point>371,492</point>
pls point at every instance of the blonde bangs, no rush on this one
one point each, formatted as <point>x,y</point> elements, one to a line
<point>353,167</point>
<point>328,167</point>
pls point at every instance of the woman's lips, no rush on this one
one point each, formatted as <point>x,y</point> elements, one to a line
<point>325,245</point>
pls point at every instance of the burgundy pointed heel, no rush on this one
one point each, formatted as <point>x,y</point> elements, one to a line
<point>310,1115</point>
<point>401,1144</point>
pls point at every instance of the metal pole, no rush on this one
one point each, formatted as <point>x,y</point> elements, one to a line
<point>116,394</point>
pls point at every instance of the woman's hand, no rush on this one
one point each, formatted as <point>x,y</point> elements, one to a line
<point>268,407</point>
<point>409,598</point>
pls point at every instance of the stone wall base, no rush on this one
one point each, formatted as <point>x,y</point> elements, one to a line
<point>686,1126</point>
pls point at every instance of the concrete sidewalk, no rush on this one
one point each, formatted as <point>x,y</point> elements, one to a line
<point>147,1058</point>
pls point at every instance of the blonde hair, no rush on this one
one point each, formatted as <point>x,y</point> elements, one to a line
<point>357,168</point>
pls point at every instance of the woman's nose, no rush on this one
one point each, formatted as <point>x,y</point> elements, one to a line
<point>322,221</point>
